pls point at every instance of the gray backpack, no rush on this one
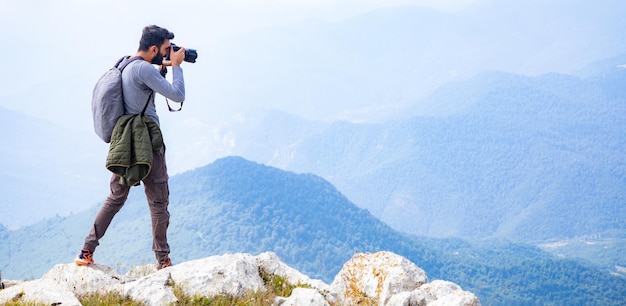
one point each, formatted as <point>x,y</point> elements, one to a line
<point>107,102</point>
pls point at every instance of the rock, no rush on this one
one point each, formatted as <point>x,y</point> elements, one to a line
<point>138,272</point>
<point>62,284</point>
<point>39,292</point>
<point>440,293</point>
<point>374,278</point>
<point>382,278</point>
<point>405,299</point>
<point>271,264</point>
<point>6,283</point>
<point>302,297</point>
<point>230,274</point>
<point>436,293</point>
<point>82,280</point>
<point>152,290</point>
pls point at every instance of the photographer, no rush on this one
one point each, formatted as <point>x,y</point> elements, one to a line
<point>140,81</point>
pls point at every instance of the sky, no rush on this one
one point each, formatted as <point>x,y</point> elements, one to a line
<point>65,45</point>
<point>57,49</point>
<point>49,38</point>
<point>53,43</point>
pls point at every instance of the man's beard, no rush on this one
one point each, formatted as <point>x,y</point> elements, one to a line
<point>157,59</point>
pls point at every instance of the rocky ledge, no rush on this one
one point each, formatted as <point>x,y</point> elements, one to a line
<point>382,278</point>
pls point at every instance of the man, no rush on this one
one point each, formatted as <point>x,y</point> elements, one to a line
<point>140,80</point>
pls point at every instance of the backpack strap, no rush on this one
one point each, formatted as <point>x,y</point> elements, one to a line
<point>147,102</point>
<point>125,63</point>
<point>128,61</point>
<point>172,109</point>
<point>120,60</point>
<point>163,72</point>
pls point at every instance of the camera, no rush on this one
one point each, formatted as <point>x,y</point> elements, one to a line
<point>190,54</point>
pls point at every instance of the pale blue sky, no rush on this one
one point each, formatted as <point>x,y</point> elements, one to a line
<point>91,32</point>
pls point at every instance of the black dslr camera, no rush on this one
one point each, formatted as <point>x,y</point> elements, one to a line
<point>190,54</point>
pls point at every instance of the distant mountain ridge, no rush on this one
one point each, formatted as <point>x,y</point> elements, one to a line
<point>234,205</point>
<point>531,159</point>
<point>36,152</point>
<point>524,158</point>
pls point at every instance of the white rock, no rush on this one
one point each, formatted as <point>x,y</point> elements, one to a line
<point>82,280</point>
<point>6,283</point>
<point>137,272</point>
<point>271,264</point>
<point>440,292</point>
<point>436,293</point>
<point>62,284</point>
<point>230,274</point>
<point>375,278</point>
<point>39,292</point>
<point>382,278</point>
<point>302,297</point>
<point>153,290</point>
<point>404,299</point>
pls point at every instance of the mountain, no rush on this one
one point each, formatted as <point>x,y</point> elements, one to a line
<point>530,159</point>
<point>234,205</point>
<point>499,155</point>
<point>46,170</point>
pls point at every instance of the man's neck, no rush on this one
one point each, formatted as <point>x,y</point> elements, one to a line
<point>145,56</point>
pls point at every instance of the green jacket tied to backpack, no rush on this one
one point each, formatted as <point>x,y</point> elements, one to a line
<point>134,139</point>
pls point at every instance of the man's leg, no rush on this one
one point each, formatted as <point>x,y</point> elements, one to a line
<point>157,193</point>
<point>111,206</point>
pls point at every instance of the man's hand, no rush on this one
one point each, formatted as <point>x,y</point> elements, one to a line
<point>176,58</point>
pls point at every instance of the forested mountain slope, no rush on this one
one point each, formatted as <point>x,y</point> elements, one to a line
<point>234,205</point>
<point>500,155</point>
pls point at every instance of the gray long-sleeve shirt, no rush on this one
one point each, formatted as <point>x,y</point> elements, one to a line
<point>140,78</point>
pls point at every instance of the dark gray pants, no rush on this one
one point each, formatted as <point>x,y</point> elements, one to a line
<point>157,193</point>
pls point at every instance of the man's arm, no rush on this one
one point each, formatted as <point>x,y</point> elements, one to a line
<point>174,91</point>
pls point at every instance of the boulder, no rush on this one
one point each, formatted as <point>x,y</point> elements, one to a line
<point>81,280</point>
<point>230,274</point>
<point>373,278</point>
<point>62,284</point>
<point>436,293</point>
<point>152,290</point>
<point>271,264</point>
<point>39,292</point>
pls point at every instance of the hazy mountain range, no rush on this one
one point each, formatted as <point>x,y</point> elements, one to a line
<point>46,170</point>
<point>531,159</point>
<point>500,155</point>
<point>234,205</point>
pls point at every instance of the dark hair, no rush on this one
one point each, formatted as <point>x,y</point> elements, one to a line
<point>153,36</point>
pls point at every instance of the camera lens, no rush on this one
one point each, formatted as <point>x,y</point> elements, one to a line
<point>190,54</point>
